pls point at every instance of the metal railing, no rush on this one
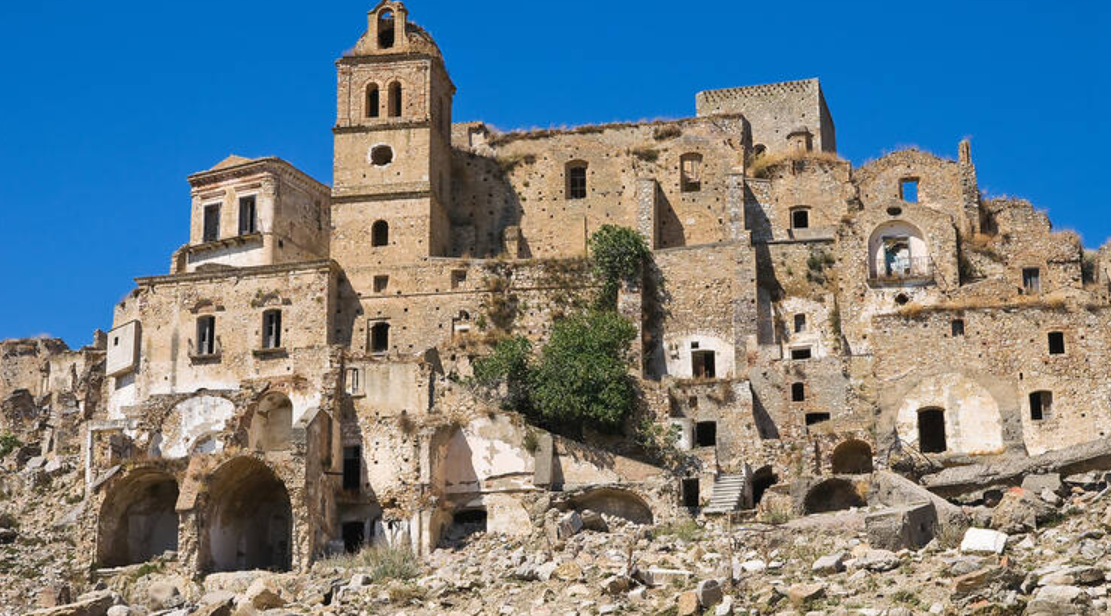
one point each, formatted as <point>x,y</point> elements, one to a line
<point>902,269</point>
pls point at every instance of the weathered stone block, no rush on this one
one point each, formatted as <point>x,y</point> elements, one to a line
<point>910,527</point>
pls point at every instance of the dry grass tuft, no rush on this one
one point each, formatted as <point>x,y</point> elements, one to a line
<point>760,166</point>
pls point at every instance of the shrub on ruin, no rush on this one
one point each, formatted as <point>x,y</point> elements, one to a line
<point>582,377</point>
<point>8,444</point>
<point>617,255</point>
<point>508,365</point>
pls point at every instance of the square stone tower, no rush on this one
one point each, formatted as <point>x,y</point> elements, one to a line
<point>392,146</point>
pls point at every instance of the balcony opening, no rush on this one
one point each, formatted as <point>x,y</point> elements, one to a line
<point>352,468</point>
<point>690,493</point>
<point>702,364</point>
<point>1031,280</point>
<point>1041,402</point>
<point>931,431</point>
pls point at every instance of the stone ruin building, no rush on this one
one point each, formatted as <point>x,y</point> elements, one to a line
<point>295,384</point>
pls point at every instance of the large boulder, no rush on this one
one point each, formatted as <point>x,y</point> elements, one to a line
<point>1021,511</point>
<point>1036,484</point>
<point>1059,600</point>
<point>89,604</point>
<point>910,527</point>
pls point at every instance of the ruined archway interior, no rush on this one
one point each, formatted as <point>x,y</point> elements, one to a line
<point>832,495</point>
<point>249,519</point>
<point>138,520</point>
<point>616,503</point>
<point>852,457</point>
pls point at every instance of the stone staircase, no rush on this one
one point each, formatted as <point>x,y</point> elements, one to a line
<point>728,496</point>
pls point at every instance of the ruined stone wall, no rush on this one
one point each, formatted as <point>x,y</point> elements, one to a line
<point>939,183</point>
<point>520,180</point>
<point>170,359</point>
<point>694,298</point>
<point>775,110</point>
<point>983,379</point>
<point>819,186</point>
<point>1018,237</point>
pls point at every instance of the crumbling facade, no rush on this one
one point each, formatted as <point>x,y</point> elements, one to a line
<point>296,384</point>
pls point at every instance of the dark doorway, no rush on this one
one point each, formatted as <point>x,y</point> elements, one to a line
<point>832,495</point>
<point>852,457</point>
<point>931,431</point>
<point>354,536</point>
<point>690,493</point>
<point>762,479</point>
<point>352,468</point>
<point>705,434</point>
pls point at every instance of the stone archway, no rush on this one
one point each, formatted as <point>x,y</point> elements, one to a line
<point>762,479</point>
<point>832,495</point>
<point>852,457</point>
<point>248,519</point>
<point>615,502</point>
<point>138,520</point>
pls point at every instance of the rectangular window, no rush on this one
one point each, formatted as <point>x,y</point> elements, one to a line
<point>380,283</point>
<point>908,190</point>
<point>1056,343</point>
<point>352,467</point>
<point>1040,404</point>
<point>801,353</point>
<point>691,179</point>
<point>1031,280</point>
<point>816,418</point>
<point>705,434</point>
<point>576,182</point>
<point>272,329</point>
<point>702,364</point>
<point>458,278</point>
<point>206,335</point>
<point>800,219</point>
<point>247,218</point>
<point>211,223</point>
<point>957,327</point>
<point>380,337</point>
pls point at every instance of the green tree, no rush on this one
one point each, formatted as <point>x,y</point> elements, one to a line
<point>617,254</point>
<point>582,376</point>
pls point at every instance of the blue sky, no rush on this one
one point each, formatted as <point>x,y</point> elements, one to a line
<point>108,106</point>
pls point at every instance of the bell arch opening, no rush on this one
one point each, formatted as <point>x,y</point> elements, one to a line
<point>852,457</point>
<point>138,521</point>
<point>832,495</point>
<point>249,519</point>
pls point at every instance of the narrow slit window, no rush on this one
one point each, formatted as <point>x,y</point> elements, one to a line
<point>395,100</point>
<point>352,468</point>
<point>272,329</point>
<point>373,101</point>
<point>211,231</point>
<point>206,335</point>
<point>1041,402</point>
<point>353,381</point>
<point>798,392</point>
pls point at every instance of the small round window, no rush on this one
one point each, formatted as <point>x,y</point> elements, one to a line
<point>381,155</point>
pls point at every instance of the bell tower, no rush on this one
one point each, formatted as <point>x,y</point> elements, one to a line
<point>392,166</point>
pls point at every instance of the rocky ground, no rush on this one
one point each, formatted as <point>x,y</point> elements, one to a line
<point>1029,554</point>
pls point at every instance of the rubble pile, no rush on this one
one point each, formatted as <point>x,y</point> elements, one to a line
<point>1041,549</point>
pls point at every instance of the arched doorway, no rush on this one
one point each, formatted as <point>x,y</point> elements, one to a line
<point>249,518</point>
<point>272,425</point>
<point>832,495</point>
<point>138,520</point>
<point>931,431</point>
<point>852,457</point>
<point>762,479</point>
